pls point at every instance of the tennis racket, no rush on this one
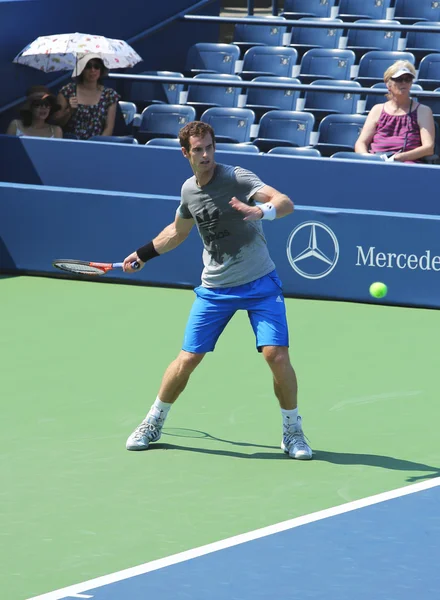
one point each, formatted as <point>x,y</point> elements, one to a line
<point>82,267</point>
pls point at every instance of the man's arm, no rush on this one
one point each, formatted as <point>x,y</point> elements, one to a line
<point>280,205</point>
<point>168,239</point>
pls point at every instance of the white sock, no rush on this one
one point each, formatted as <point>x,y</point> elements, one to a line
<point>290,417</point>
<point>159,410</point>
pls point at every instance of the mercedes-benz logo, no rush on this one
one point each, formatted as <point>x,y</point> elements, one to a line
<point>312,250</point>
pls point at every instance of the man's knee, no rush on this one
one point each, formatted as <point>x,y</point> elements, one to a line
<point>188,361</point>
<point>276,355</point>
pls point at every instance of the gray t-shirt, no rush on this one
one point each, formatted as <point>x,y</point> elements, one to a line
<point>235,251</point>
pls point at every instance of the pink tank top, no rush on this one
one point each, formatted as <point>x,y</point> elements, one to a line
<point>396,132</point>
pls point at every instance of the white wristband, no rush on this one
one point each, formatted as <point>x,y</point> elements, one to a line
<point>269,211</point>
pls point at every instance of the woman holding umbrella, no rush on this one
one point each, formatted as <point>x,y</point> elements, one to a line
<point>87,107</point>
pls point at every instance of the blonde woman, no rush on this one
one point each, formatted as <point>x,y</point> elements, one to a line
<point>401,129</point>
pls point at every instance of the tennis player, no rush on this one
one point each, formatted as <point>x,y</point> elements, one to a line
<point>227,205</point>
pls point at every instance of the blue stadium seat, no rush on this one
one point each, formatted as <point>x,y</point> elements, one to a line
<point>116,139</point>
<point>322,104</point>
<point>295,9</point>
<point>202,97</point>
<point>351,10</point>
<point>434,104</point>
<point>230,147</point>
<point>269,60</point>
<point>284,128</point>
<point>420,43</point>
<point>354,156</point>
<point>261,100</point>
<point>371,100</point>
<point>410,11</point>
<point>373,65</point>
<point>230,124</point>
<point>324,63</point>
<point>211,58</point>
<point>164,120</point>
<point>129,111</point>
<point>361,41</point>
<point>339,133</point>
<point>289,151</point>
<point>164,142</point>
<point>429,72</point>
<point>247,35</point>
<point>306,38</point>
<point>144,93</point>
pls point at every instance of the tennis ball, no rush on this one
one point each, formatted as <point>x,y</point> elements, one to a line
<point>378,290</point>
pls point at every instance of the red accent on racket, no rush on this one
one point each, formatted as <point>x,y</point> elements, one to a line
<point>82,267</point>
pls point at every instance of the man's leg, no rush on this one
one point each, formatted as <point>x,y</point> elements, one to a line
<point>173,383</point>
<point>286,390</point>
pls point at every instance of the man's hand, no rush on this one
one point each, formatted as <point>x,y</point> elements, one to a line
<point>250,213</point>
<point>131,258</point>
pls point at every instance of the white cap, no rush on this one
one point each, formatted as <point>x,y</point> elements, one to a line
<point>403,71</point>
<point>82,60</point>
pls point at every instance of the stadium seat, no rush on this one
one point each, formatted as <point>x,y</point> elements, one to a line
<point>164,120</point>
<point>284,128</point>
<point>322,104</point>
<point>116,139</point>
<point>211,58</point>
<point>268,60</point>
<point>289,151</point>
<point>144,93</point>
<point>261,100</point>
<point>295,9</point>
<point>306,38</point>
<point>339,133</point>
<point>202,97</point>
<point>373,65</point>
<point>429,72</point>
<point>361,41</point>
<point>247,35</point>
<point>324,63</point>
<point>434,104</point>
<point>410,11</point>
<point>129,111</point>
<point>229,147</point>
<point>230,124</point>
<point>420,43</point>
<point>351,10</point>
<point>371,99</point>
<point>164,142</point>
<point>355,156</point>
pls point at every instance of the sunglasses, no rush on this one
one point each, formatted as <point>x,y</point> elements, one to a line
<point>93,65</point>
<point>41,104</point>
<point>404,79</point>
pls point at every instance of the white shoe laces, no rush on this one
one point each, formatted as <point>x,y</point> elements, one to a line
<point>296,438</point>
<point>144,429</point>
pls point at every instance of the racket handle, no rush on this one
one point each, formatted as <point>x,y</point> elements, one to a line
<point>135,265</point>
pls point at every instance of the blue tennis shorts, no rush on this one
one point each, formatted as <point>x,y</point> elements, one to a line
<point>214,307</point>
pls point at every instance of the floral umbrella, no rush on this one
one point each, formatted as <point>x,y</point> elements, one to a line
<point>60,52</point>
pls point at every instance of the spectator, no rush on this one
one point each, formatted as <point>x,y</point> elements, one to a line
<point>35,115</point>
<point>401,129</point>
<point>87,107</point>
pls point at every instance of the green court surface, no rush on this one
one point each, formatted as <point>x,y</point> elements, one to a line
<point>81,364</point>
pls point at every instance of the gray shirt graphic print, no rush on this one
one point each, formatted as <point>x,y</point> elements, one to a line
<point>235,251</point>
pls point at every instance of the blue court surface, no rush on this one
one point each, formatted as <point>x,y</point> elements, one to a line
<point>382,547</point>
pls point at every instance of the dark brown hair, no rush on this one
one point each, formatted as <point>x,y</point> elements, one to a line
<point>37,93</point>
<point>197,128</point>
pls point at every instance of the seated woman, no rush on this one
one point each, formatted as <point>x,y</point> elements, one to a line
<point>401,129</point>
<point>87,107</point>
<point>35,115</point>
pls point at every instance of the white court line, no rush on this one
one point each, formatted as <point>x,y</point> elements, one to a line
<point>174,559</point>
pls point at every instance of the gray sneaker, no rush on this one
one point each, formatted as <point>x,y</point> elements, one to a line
<point>148,431</point>
<point>294,442</point>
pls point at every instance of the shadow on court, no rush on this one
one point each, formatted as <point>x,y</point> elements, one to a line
<point>336,458</point>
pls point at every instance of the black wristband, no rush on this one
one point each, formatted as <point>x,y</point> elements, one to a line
<point>147,252</point>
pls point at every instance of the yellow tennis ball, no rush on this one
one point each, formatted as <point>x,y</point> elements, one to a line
<point>378,289</point>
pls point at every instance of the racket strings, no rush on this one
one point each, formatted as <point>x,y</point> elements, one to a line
<point>79,269</point>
